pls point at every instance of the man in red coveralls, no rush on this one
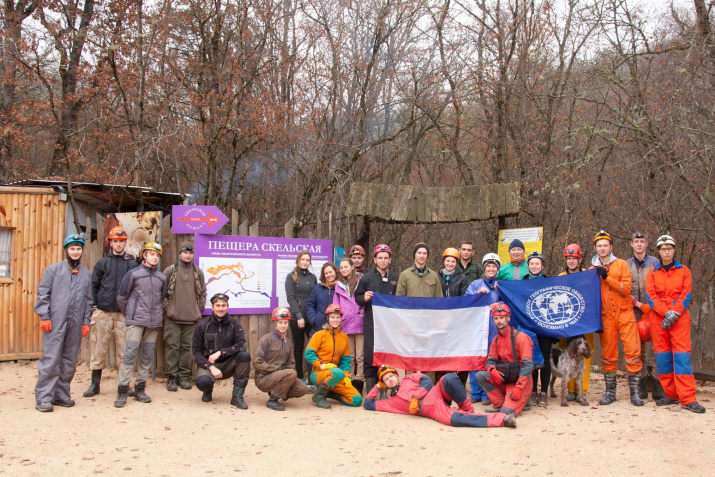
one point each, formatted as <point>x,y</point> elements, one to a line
<point>416,395</point>
<point>511,397</point>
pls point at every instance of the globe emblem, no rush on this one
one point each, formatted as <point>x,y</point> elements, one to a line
<point>556,307</point>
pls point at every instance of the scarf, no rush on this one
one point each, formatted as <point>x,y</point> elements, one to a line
<point>490,282</point>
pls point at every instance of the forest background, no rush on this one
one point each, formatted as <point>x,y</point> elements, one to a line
<point>601,110</point>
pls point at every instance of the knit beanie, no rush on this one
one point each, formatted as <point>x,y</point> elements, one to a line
<point>419,246</point>
<point>516,243</point>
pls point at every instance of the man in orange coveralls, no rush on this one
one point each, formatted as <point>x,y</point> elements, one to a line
<point>417,396</point>
<point>618,319</point>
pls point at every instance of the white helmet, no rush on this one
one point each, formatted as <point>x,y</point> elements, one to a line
<point>663,240</point>
<point>493,258</point>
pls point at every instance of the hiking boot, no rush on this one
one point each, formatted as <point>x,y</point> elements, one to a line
<point>94,387</point>
<point>571,396</point>
<point>634,381</point>
<point>666,401</point>
<point>475,400</point>
<point>610,389</point>
<point>122,392</point>
<point>492,409</point>
<point>171,383</point>
<point>184,383</point>
<point>237,399</point>
<point>319,396</point>
<point>486,402</point>
<point>207,396</point>
<point>63,402</point>
<point>311,389</point>
<point>139,394</point>
<point>44,407</point>
<point>509,420</point>
<point>274,404</point>
<point>695,407</point>
<point>542,400</point>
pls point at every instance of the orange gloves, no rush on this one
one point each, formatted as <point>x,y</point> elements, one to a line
<point>415,406</point>
<point>46,325</point>
<point>497,377</point>
<point>85,330</point>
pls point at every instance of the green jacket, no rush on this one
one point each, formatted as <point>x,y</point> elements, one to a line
<point>510,272</point>
<point>472,271</point>
<point>411,284</point>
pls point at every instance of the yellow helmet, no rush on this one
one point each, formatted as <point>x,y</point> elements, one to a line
<point>153,246</point>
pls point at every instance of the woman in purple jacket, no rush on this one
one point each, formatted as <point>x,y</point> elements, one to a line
<point>352,319</point>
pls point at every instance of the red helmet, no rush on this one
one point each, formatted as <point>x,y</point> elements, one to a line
<point>573,250</point>
<point>644,330</point>
<point>280,313</point>
<point>333,308</point>
<point>356,250</point>
<point>500,309</point>
<point>117,233</point>
<point>382,248</point>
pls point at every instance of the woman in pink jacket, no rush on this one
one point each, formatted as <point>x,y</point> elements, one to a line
<point>352,318</point>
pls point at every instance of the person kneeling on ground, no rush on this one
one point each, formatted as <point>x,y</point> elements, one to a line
<point>507,379</point>
<point>275,364</point>
<point>329,353</point>
<point>416,395</point>
<point>219,348</point>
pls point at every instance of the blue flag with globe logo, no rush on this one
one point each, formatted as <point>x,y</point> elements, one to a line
<point>557,307</point>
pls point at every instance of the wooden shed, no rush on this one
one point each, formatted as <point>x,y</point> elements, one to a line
<point>35,216</point>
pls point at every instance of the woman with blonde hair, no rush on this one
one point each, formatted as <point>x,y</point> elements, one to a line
<point>299,283</point>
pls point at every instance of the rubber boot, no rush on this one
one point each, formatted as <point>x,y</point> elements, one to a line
<point>633,384</point>
<point>383,394</point>
<point>358,385</point>
<point>122,392</point>
<point>319,396</point>
<point>139,394</point>
<point>237,399</point>
<point>274,404</point>
<point>369,384</point>
<point>643,386</point>
<point>656,389</point>
<point>610,389</point>
<point>94,387</point>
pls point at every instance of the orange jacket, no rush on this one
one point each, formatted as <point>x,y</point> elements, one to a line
<point>329,346</point>
<point>616,289</point>
<point>669,290</point>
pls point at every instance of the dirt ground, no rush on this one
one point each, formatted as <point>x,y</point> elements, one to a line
<point>177,434</point>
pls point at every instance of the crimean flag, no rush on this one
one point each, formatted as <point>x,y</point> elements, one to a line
<point>432,334</point>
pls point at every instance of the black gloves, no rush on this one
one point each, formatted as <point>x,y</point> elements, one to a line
<point>602,272</point>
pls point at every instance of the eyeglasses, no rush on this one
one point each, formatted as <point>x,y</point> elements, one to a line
<point>282,315</point>
<point>189,248</point>
<point>219,296</point>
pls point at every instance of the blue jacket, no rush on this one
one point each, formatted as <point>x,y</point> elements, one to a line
<point>318,301</point>
<point>474,287</point>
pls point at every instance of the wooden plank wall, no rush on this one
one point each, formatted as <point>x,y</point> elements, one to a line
<point>38,219</point>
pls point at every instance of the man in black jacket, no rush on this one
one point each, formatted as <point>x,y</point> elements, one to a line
<point>107,319</point>
<point>219,349</point>
<point>379,280</point>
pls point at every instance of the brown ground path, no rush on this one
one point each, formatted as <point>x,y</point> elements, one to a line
<point>177,434</point>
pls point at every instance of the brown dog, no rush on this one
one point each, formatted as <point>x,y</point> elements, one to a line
<point>570,364</point>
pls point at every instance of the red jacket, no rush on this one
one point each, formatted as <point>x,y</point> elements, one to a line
<point>669,290</point>
<point>501,350</point>
<point>412,386</point>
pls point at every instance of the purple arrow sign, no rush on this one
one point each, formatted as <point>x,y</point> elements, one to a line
<point>196,219</point>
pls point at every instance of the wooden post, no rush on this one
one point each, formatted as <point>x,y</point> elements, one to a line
<point>243,229</point>
<point>288,229</point>
<point>234,222</point>
<point>253,231</point>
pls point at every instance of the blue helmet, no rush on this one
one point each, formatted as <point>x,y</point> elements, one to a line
<point>74,239</point>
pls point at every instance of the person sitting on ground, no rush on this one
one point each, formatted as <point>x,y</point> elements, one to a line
<point>329,353</point>
<point>416,395</point>
<point>275,364</point>
<point>507,379</point>
<point>219,349</point>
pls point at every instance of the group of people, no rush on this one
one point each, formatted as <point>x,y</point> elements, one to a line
<point>333,313</point>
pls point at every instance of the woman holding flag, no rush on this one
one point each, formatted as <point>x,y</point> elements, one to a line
<point>536,264</point>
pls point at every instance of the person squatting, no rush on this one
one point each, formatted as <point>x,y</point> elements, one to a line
<point>643,297</point>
